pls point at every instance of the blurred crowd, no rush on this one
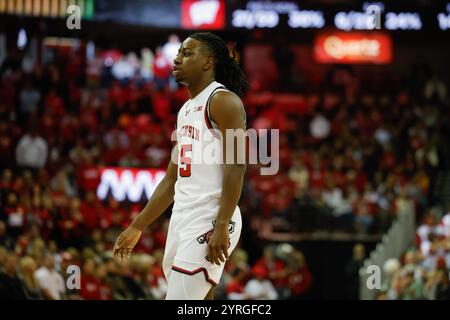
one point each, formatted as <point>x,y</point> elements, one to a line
<point>423,271</point>
<point>38,270</point>
<point>348,162</point>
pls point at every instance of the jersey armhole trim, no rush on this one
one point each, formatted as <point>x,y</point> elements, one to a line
<point>207,115</point>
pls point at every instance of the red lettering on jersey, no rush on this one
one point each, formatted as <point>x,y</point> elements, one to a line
<point>190,131</point>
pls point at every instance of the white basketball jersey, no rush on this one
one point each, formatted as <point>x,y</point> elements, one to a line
<point>200,173</point>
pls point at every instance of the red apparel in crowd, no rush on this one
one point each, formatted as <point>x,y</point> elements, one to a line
<point>272,267</point>
<point>91,213</point>
<point>54,105</point>
<point>90,288</point>
<point>113,215</point>
<point>388,160</point>
<point>339,178</point>
<point>161,66</point>
<point>360,181</point>
<point>6,150</point>
<point>118,95</point>
<point>300,281</point>
<point>317,179</point>
<point>235,286</point>
<point>88,177</point>
<point>44,221</point>
<point>68,225</point>
<point>88,119</point>
<point>161,105</point>
<point>157,273</point>
<point>105,291</point>
<point>69,128</point>
<point>8,93</point>
<point>113,155</point>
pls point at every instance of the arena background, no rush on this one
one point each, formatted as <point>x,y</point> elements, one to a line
<point>364,121</point>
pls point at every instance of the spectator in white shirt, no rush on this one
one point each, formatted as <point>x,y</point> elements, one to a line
<point>320,127</point>
<point>32,151</point>
<point>259,287</point>
<point>446,224</point>
<point>51,282</point>
<point>334,198</point>
<point>170,49</point>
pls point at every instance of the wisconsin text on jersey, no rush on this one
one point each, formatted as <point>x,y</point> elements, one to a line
<point>189,131</point>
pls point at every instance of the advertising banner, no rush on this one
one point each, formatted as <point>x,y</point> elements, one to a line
<point>353,47</point>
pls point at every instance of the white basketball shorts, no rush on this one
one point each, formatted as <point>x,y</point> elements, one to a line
<point>187,242</point>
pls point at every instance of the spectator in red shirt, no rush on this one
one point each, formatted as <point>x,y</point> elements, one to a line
<point>161,69</point>
<point>317,176</point>
<point>112,214</point>
<point>161,104</point>
<point>105,286</point>
<point>117,143</point>
<point>90,285</point>
<point>235,289</point>
<point>5,184</point>
<point>276,269</point>
<point>88,174</point>
<point>70,225</point>
<point>54,105</point>
<point>117,97</point>
<point>91,210</point>
<point>6,145</point>
<point>41,217</point>
<point>300,279</point>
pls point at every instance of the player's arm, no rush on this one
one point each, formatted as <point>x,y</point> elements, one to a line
<point>227,112</point>
<point>160,200</point>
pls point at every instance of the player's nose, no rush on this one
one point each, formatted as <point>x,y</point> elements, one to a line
<point>176,61</point>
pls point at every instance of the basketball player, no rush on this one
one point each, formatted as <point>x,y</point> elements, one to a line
<point>206,222</point>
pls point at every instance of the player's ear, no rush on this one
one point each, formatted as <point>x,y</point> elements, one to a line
<point>209,63</point>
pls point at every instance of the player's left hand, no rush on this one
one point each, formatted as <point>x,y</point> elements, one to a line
<point>218,245</point>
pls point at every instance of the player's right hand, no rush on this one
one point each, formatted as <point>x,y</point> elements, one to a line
<point>125,243</point>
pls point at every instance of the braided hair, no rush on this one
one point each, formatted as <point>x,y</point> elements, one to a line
<point>227,70</point>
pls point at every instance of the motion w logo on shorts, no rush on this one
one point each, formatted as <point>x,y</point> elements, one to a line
<point>206,236</point>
